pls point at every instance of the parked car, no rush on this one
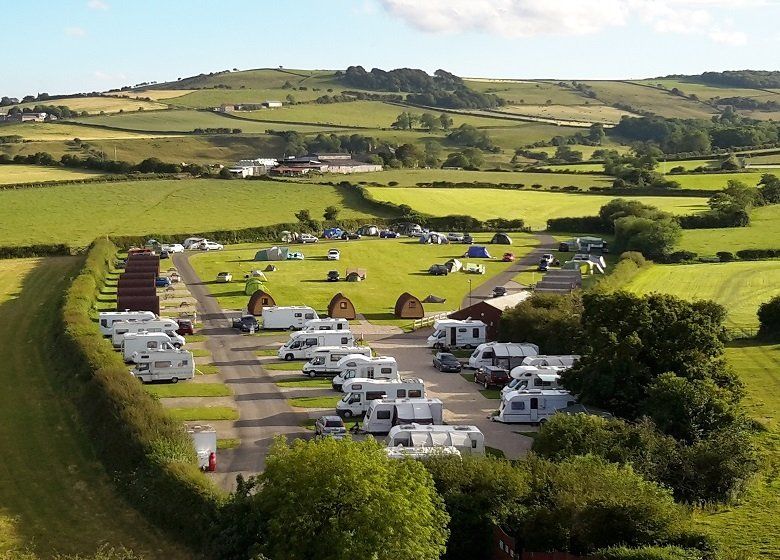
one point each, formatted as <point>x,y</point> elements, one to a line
<point>224,277</point>
<point>389,234</point>
<point>492,376</point>
<point>164,255</point>
<point>332,426</point>
<point>246,323</point>
<point>543,266</point>
<point>499,291</point>
<point>508,257</point>
<point>438,270</point>
<point>172,247</point>
<point>185,327</point>
<point>334,255</point>
<point>333,276</point>
<point>308,238</point>
<point>162,282</point>
<point>548,258</point>
<point>444,361</point>
<point>346,236</point>
<point>455,237</point>
<point>210,246</point>
<point>295,256</point>
<point>467,239</point>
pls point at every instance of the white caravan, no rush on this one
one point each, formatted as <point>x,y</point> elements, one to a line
<point>193,242</point>
<point>108,318</point>
<point>204,440</point>
<point>451,333</point>
<point>164,366</point>
<point>532,377</point>
<point>122,328</point>
<point>290,317</point>
<point>531,406</point>
<point>502,354</point>
<point>326,324</point>
<point>420,453</point>
<point>565,361</point>
<point>381,367</point>
<point>358,393</point>
<point>302,345</point>
<point>468,440</point>
<point>149,342</point>
<point>383,414</point>
<point>325,359</point>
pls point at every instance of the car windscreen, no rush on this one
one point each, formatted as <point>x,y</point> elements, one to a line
<point>333,423</point>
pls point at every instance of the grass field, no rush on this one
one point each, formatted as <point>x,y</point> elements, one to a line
<point>202,413</point>
<point>714,181</point>
<point>78,213</point>
<point>258,78</point>
<point>173,390</point>
<point>739,286</point>
<point>584,113</point>
<point>64,131</point>
<point>10,174</point>
<point>707,92</point>
<point>527,92</point>
<point>97,104</point>
<point>534,207</point>
<point>314,402</point>
<point>393,266</point>
<point>762,233</point>
<point>299,382</point>
<point>157,94</point>
<point>207,98</point>
<point>54,495</point>
<point>650,99</point>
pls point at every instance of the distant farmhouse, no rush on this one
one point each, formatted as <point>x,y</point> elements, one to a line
<point>27,117</point>
<point>252,167</point>
<point>230,107</point>
<point>324,163</point>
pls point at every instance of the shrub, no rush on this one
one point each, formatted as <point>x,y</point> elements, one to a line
<point>648,553</point>
<point>769,319</point>
<point>725,256</point>
<point>677,257</point>
<point>758,254</point>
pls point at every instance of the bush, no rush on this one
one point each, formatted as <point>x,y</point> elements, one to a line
<point>758,254</point>
<point>648,553</point>
<point>592,224</point>
<point>677,257</point>
<point>769,319</point>
<point>725,256</point>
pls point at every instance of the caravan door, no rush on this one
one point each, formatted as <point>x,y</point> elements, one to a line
<point>534,417</point>
<point>453,341</point>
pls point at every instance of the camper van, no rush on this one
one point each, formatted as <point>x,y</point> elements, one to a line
<point>565,361</point>
<point>326,325</point>
<point>291,317</point>
<point>163,366</point>
<point>108,318</point>
<point>325,359</point>
<point>531,406</point>
<point>381,367</point>
<point>149,342</point>
<point>358,393</point>
<point>383,414</point>
<point>502,354</point>
<point>121,328</point>
<point>451,333</point>
<point>532,377</point>
<point>468,440</point>
<point>204,440</point>
<point>302,345</point>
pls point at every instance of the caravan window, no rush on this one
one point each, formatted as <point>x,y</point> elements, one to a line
<point>473,444</point>
<point>356,386</point>
<point>311,342</point>
<point>344,340</point>
<point>342,305</point>
<point>151,345</point>
<point>534,403</point>
<point>400,393</point>
<point>462,329</point>
<point>387,370</point>
<point>383,415</point>
<point>298,315</point>
<point>488,354</point>
<point>373,395</point>
<point>103,323</point>
<point>518,406</point>
<point>415,394</point>
<point>370,372</point>
<point>162,364</point>
<point>310,315</point>
<point>475,333</point>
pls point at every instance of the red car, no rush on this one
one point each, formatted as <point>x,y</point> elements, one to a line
<point>185,327</point>
<point>508,257</point>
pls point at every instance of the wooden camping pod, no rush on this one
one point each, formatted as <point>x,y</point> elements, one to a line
<point>135,291</point>
<point>139,303</point>
<point>258,300</point>
<point>341,307</point>
<point>409,307</point>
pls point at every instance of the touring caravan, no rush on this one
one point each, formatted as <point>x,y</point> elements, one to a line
<point>468,440</point>
<point>381,367</point>
<point>541,360</point>
<point>451,333</point>
<point>531,377</point>
<point>325,359</point>
<point>149,342</point>
<point>326,324</point>
<point>502,354</point>
<point>164,366</point>
<point>421,453</point>
<point>358,393</point>
<point>107,319</point>
<point>291,317</point>
<point>383,414</point>
<point>303,344</point>
<point>531,406</point>
<point>122,328</point>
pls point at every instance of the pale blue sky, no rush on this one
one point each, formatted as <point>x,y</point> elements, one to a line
<point>61,46</point>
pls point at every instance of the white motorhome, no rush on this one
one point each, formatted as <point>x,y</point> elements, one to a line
<point>531,406</point>
<point>326,324</point>
<point>106,319</point>
<point>302,345</point>
<point>532,377</point>
<point>204,440</point>
<point>325,359</point>
<point>358,393</point>
<point>149,342</point>
<point>381,367</point>
<point>451,333</point>
<point>164,366</point>
<point>289,317</point>
<point>122,328</point>
<point>383,414</point>
<point>541,360</point>
<point>468,440</point>
<point>502,354</point>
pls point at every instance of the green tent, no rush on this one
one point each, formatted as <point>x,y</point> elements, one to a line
<point>272,254</point>
<point>252,285</point>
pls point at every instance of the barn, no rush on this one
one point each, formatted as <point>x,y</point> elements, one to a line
<point>341,307</point>
<point>409,307</point>
<point>259,300</point>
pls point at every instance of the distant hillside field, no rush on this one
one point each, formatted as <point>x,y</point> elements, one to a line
<point>762,233</point>
<point>586,113</point>
<point>97,104</point>
<point>650,99</point>
<point>64,131</point>
<point>708,91</point>
<point>33,173</point>
<point>521,92</point>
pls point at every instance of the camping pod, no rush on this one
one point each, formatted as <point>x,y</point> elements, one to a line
<point>341,307</point>
<point>252,285</point>
<point>409,307</point>
<point>501,239</point>
<point>147,275</point>
<point>135,291</point>
<point>135,282</point>
<point>258,301</point>
<point>139,303</point>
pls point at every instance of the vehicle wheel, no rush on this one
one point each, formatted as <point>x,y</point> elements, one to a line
<point>288,357</point>
<point>312,374</point>
<point>542,421</point>
<point>177,346</point>
<point>290,328</point>
<point>347,414</point>
<point>174,380</point>
<point>486,385</point>
<point>468,347</point>
<point>475,378</point>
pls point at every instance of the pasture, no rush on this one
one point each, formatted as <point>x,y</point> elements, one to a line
<point>650,99</point>
<point>710,91</point>
<point>77,214</point>
<point>259,78</point>
<point>762,233</point>
<point>393,266</point>
<point>10,174</point>
<point>99,104</point>
<point>55,496</point>
<point>156,94</point>
<point>534,207</point>
<point>519,92</point>
<point>739,286</point>
<point>49,132</point>
<point>715,181</point>
<point>584,113</point>
<point>206,98</point>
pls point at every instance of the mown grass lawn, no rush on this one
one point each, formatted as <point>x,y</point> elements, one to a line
<point>189,390</point>
<point>393,266</point>
<point>212,413</point>
<point>296,383</point>
<point>283,366</point>
<point>714,181</point>
<point>314,402</point>
<point>739,286</point>
<point>33,173</point>
<point>762,233</point>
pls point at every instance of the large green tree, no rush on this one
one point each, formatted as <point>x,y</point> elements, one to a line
<point>551,321</point>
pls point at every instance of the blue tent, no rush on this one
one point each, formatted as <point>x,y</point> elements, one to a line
<point>333,233</point>
<point>478,252</point>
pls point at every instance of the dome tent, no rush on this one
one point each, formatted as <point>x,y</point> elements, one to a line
<point>501,239</point>
<point>252,285</point>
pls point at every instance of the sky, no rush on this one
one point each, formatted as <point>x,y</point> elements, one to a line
<point>69,46</point>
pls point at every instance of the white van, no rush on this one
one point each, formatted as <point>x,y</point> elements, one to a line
<point>531,377</point>
<point>383,414</point>
<point>381,367</point>
<point>565,361</point>
<point>531,406</point>
<point>451,333</point>
<point>358,393</point>
<point>325,359</point>
<point>290,317</point>
<point>120,329</point>
<point>302,345</point>
<point>108,318</point>
<point>326,324</point>
<point>164,366</point>
<point>468,440</point>
<point>149,342</point>
<point>502,354</point>
<point>204,440</point>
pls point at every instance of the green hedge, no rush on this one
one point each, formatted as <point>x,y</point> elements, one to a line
<point>648,553</point>
<point>148,455</point>
<point>27,251</point>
